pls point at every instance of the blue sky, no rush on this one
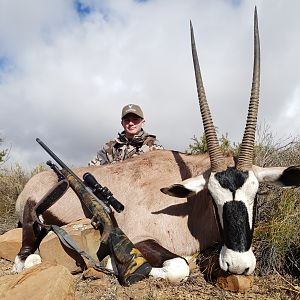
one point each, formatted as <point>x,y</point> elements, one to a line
<point>68,67</point>
<point>3,62</point>
<point>82,8</point>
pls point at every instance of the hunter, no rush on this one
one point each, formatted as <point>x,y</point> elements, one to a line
<point>132,141</point>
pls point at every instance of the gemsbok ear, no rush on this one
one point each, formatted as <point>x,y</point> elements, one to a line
<point>187,188</point>
<point>280,176</point>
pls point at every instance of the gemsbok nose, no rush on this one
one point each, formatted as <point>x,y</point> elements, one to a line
<point>237,262</point>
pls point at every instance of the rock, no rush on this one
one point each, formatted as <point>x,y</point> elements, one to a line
<point>193,266</point>
<point>100,284</point>
<point>93,274</point>
<point>99,279</point>
<point>235,283</point>
<point>85,236</point>
<point>44,281</point>
<point>10,244</point>
<point>209,266</point>
<point>52,251</point>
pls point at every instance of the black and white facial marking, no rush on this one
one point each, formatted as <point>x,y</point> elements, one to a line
<point>234,192</point>
<point>237,234</point>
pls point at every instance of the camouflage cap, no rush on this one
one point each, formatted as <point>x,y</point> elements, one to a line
<point>132,109</point>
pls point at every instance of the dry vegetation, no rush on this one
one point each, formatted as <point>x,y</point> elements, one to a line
<point>12,181</point>
<point>276,236</point>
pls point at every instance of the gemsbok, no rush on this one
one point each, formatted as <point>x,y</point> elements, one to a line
<point>213,197</point>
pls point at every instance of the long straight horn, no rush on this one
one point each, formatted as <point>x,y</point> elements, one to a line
<point>216,157</point>
<point>246,153</point>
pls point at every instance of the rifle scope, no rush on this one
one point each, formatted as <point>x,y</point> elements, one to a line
<point>102,192</point>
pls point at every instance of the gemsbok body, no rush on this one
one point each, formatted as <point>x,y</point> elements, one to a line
<point>213,197</point>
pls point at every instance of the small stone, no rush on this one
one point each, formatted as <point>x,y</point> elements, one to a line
<point>102,283</point>
<point>193,266</point>
<point>93,273</point>
<point>235,283</point>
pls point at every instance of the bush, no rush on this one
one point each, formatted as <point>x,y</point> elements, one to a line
<point>200,146</point>
<point>270,151</point>
<point>276,234</point>
<point>3,153</point>
<point>12,182</point>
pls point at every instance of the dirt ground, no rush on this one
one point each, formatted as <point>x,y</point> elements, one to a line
<point>265,287</point>
<point>268,287</point>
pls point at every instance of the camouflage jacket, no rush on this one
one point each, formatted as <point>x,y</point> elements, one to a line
<point>121,148</point>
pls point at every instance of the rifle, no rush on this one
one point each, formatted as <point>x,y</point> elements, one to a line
<point>130,263</point>
<point>98,209</point>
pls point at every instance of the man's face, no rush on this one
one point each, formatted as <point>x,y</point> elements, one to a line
<point>132,125</point>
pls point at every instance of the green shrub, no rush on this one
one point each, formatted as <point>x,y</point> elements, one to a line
<point>200,146</point>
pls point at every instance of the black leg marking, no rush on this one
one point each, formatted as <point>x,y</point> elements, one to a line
<point>39,237</point>
<point>154,253</point>
<point>28,236</point>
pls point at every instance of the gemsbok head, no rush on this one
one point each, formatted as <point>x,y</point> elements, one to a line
<point>233,189</point>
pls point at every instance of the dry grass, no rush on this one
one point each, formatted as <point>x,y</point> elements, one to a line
<point>276,234</point>
<point>12,181</point>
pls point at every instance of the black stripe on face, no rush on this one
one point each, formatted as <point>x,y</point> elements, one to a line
<point>237,233</point>
<point>231,179</point>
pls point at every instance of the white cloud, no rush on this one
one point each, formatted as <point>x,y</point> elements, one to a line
<point>70,74</point>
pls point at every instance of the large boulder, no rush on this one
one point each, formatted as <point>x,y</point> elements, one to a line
<point>85,236</point>
<point>44,281</point>
<point>10,244</point>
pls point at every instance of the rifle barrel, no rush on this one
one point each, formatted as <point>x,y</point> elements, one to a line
<point>60,162</point>
<point>66,171</point>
